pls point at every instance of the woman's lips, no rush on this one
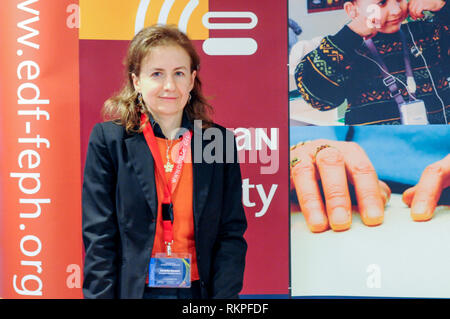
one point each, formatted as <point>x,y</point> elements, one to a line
<point>167,98</point>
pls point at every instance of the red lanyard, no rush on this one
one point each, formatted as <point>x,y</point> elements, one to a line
<point>167,207</point>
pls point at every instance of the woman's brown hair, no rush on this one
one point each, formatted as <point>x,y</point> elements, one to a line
<point>124,107</point>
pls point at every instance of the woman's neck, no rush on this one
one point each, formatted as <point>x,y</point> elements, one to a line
<point>169,124</point>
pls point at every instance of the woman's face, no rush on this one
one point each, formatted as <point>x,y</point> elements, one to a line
<point>385,15</point>
<point>165,80</point>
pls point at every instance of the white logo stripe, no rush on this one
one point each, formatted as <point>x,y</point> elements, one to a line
<point>165,9</point>
<point>186,14</point>
<point>140,15</point>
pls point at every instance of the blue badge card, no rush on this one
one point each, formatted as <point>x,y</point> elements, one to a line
<point>170,272</point>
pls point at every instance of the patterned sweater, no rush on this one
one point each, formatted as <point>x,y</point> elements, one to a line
<point>340,69</point>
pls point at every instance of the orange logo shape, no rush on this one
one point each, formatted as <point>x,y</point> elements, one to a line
<point>121,20</point>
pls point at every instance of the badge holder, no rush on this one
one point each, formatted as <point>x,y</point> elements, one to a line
<point>414,113</point>
<point>172,271</point>
<point>169,270</point>
<point>411,112</point>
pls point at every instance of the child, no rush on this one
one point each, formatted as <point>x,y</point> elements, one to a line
<point>388,72</point>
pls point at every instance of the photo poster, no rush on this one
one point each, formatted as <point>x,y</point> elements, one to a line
<point>399,257</point>
<point>75,49</point>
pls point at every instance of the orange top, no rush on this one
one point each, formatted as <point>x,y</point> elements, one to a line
<point>183,212</point>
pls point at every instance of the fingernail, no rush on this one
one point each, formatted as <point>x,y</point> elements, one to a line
<point>317,223</point>
<point>419,212</point>
<point>316,219</point>
<point>374,216</point>
<point>340,219</point>
<point>420,208</point>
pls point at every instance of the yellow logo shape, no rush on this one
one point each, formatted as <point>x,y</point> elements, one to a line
<point>121,20</point>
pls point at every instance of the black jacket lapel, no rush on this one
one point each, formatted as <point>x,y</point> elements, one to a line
<point>143,164</point>
<point>202,175</point>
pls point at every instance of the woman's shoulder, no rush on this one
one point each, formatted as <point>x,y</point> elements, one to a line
<point>112,126</point>
<point>109,130</point>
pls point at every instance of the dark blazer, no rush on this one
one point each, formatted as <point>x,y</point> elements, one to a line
<point>120,207</point>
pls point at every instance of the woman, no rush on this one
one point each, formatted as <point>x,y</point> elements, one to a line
<point>149,190</point>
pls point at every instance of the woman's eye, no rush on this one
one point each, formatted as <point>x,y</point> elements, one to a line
<point>156,74</point>
<point>179,73</point>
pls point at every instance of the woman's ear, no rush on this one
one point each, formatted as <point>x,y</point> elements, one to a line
<point>136,82</point>
<point>193,75</point>
<point>350,9</point>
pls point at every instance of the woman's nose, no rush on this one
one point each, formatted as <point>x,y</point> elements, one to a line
<point>169,83</point>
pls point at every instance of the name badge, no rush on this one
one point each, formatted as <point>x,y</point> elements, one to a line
<point>414,113</point>
<point>170,272</point>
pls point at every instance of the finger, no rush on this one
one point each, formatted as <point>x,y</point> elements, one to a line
<point>308,193</point>
<point>418,10</point>
<point>385,192</point>
<point>330,163</point>
<point>367,189</point>
<point>434,179</point>
<point>427,193</point>
<point>291,184</point>
<point>410,9</point>
<point>295,154</point>
<point>408,195</point>
<point>414,10</point>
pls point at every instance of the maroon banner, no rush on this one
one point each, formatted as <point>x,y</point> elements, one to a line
<point>243,72</point>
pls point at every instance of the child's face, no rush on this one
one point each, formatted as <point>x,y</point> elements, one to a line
<point>385,15</point>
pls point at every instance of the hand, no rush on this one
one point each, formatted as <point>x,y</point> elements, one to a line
<point>423,197</point>
<point>416,7</point>
<point>333,165</point>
